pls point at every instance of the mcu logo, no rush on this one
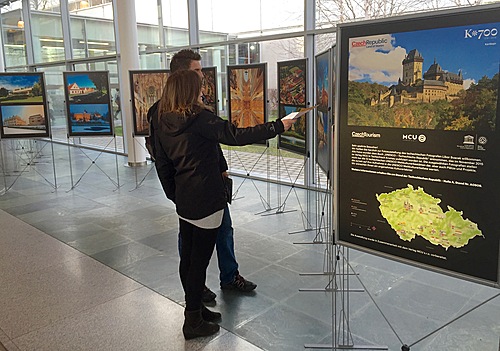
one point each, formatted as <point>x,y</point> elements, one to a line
<point>414,137</point>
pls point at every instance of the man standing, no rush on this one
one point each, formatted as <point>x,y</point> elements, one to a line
<point>230,278</point>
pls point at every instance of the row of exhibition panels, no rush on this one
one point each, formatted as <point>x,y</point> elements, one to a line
<point>414,101</point>
<point>25,112</point>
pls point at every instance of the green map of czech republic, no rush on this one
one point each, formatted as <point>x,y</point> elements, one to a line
<point>413,212</point>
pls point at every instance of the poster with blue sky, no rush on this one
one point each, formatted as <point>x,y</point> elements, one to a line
<point>23,120</point>
<point>87,103</point>
<point>89,119</point>
<point>21,88</point>
<point>23,105</point>
<point>442,78</point>
<point>87,87</point>
<point>418,114</point>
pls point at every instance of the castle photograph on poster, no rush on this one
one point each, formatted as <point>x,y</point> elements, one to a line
<point>247,94</point>
<point>412,80</point>
<point>87,88</point>
<point>147,88</point>
<point>88,119</point>
<point>417,117</point>
<point>21,88</point>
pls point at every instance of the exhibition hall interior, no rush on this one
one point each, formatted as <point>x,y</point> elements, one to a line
<point>371,224</point>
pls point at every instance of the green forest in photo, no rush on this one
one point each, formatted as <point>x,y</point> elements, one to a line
<point>473,109</point>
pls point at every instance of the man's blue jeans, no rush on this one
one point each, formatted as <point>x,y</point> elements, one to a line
<point>228,267</point>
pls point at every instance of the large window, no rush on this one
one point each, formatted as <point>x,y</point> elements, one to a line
<point>14,42</point>
<point>48,43</point>
<point>92,30</point>
<point>245,18</point>
<point>175,17</point>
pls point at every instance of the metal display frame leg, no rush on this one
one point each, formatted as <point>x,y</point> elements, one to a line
<point>93,163</point>
<point>265,204</point>
<point>340,286</point>
<point>138,183</point>
<point>29,161</point>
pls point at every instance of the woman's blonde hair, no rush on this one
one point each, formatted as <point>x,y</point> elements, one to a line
<point>181,93</point>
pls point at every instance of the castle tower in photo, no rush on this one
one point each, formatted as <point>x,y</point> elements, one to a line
<point>435,84</point>
<point>412,67</point>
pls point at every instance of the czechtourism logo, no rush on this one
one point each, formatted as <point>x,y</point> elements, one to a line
<point>480,33</point>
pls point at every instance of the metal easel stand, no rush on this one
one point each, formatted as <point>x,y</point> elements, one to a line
<point>138,183</point>
<point>323,228</point>
<point>26,158</point>
<point>406,347</point>
<point>281,208</point>
<point>321,209</point>
<point>340,287</point>
<point>93,163</point>
<point>265,203</point>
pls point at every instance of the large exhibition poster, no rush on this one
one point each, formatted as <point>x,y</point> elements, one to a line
<point>247,94</point>
<point>23,109</point>
<point>292,91</point>
<point>210,87</point>
<point>147,88</point>
<point>419,135</point>
<point>322,67</point>
<point>88,103</point>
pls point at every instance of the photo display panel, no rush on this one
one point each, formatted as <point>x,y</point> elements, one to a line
<point>419,139</point>
<point>292,78</point>
<point>323,75</point>
<point>147,88</point>
<point>210,87</point>
<point>88,103</point>
<point>247,94</point>
<point>23,105</point>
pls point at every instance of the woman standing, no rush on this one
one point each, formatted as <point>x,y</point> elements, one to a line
<point>187,160</point>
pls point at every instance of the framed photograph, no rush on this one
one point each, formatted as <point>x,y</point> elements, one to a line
<point>292,83</point>
<point>418,113</point>
<point>89,119</point>
<point>88,103</point>
<point>210,87</point>
<point>247,94</point>
<point>147,88</point>
<point>87,87</point>
<point>23,106</point>
<point>292,78</point>
<point>323,111</point>
<point>293,139</point>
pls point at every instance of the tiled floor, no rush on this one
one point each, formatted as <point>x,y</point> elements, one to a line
<point>95,268</point>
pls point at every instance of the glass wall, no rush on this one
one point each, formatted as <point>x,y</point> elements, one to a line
<point>91,29</point>
<point>175,22</point>
<point>13,37</point>
<point>244,18</point>
<point>54,87</point>
<point>48,43</point>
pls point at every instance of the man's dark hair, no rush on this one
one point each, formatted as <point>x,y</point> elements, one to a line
<point>182,59</point>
